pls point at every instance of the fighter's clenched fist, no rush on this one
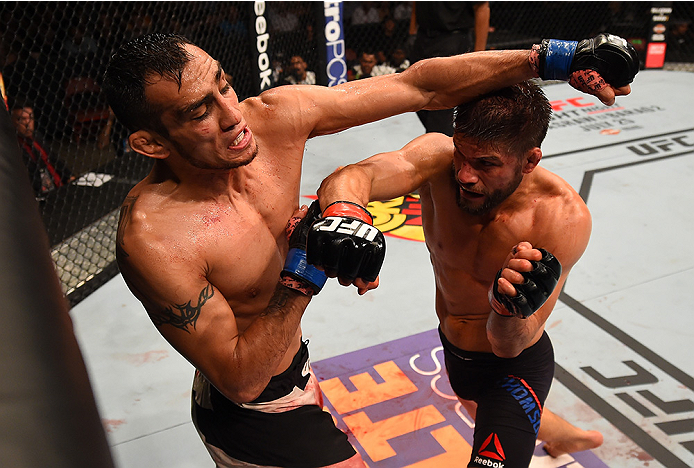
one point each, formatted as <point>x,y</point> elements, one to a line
<point>345,244</point>
<point>591,65</point>
<point>532,291</point>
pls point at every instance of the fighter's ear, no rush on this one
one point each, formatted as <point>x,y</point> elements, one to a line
<point>531,160</point>
<point>148,144</point>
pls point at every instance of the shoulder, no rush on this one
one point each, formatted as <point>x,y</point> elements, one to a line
<point>289,100</point>
<point>154,253</point>
<point>435,145</point>
<point>430,155</point>
<point>562,217</point>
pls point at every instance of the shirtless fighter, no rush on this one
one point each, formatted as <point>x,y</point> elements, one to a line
<point>485,205</point>
<point>202,241</point>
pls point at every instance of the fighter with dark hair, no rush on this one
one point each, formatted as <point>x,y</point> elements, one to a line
<point>202,239</point>
<point>503,234</point>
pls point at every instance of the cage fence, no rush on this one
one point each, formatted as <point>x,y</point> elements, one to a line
<point>53,55</point>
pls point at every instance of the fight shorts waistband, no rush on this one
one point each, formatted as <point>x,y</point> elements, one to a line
<point>482,356</point>
<point>284,392</point>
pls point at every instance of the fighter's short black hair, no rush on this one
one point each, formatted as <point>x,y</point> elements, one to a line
<point>136,64</point>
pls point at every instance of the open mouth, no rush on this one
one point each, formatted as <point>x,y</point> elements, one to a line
<point>241,140</point>
<point>470,195</point>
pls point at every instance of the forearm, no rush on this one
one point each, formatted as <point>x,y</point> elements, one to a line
<point>262,346</point>
<point>386,175</point>
<point>445,82</point>
<point>350,183</point>
<point>509,336</point>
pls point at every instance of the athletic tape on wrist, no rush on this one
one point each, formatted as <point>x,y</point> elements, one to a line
<point>558,58</point>
<point>348,209</point>
<point>296,264</point>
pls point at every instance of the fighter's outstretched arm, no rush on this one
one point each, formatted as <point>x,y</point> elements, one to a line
<point>336,243</point>
<point>603,66</point>
<point>388,175</point>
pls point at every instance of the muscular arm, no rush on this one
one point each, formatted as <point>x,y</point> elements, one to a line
<point>435,83</point>
<point>567,240</point>
<point>389,175</point>
<point>196,319</point>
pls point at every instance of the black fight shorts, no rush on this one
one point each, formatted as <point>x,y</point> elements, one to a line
<point>286,426</point>
<point>510,395</point>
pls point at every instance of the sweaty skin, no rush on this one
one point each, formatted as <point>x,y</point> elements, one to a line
<point>201,239</point>
<point>467,250</point>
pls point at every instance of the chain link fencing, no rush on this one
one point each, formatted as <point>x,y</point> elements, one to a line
<point>53,55</point>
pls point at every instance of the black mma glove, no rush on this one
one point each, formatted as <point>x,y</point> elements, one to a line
<point>297,273</point>
<point>612,57</point>
<point>345,244</point>
<point>538,286</point>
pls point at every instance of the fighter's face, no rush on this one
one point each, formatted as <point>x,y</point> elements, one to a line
<point>485,177</point>
<point>203,117</point>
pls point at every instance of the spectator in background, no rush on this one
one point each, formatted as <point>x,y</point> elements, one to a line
<point>46,172</point>
<point>231,23</point>
<point>298,75</point>
<point>402,11</point>
<point>398,60</point>
<point>277,68</point>
<point>80,49</point>
<point>368,67</point>
<point>443,29</point>
<point>680,41</point>
<point>388,38</point>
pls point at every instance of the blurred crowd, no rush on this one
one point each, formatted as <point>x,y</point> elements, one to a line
<point>54,54</point>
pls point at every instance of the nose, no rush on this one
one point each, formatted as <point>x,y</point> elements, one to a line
<point>230,114</point>
<point>466,175</point>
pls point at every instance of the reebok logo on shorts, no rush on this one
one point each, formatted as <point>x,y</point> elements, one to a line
<point>491,453</point>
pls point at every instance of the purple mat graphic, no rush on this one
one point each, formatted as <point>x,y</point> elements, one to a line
<point>394,402</point>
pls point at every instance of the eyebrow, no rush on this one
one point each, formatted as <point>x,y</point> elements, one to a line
<point>205,99</point>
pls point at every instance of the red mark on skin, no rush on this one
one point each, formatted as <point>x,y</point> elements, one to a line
<point>112,424</point>
<point>210,221</point>
<point>144,358</point>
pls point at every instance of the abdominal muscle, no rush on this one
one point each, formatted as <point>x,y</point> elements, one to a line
<point>463,310</point>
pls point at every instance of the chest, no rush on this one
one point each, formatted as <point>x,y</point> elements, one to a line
<point>238,245</point>
<point>465,246</point>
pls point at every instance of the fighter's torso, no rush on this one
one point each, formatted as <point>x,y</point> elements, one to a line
<point>237,242</point>
<point>466,253</point>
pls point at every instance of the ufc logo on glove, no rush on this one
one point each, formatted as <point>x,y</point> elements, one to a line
<point>352,227</point>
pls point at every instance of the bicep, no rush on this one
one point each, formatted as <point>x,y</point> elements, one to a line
<point>188,311</point>
<point>567,244</point>
<point>388,175</point>
<point>330,110</point>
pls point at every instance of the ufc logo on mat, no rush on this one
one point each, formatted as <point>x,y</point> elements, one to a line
<point>353,227</point>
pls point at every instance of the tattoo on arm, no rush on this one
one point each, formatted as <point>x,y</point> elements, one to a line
<point>183,315</point>
<point>125,212</point>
